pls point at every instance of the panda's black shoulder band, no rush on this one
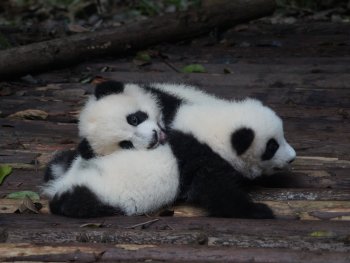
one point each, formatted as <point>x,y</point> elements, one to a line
<point>108,87</point>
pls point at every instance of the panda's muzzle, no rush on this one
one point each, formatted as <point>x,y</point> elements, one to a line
<point>158,138</point>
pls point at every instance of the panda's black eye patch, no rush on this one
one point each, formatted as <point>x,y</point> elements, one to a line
<point>136,118</point>
<point>126,145</point>
<point>241,139</point>
<point>271,148</point>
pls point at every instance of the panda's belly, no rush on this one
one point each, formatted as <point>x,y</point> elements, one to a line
<point>136,182</point>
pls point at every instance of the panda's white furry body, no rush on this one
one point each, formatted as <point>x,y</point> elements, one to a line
<point>122,165</point>
<point>132,181</point>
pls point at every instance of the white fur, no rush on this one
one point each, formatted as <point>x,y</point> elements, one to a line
<point>57,169</point>
<point>189,93</point>
<point>136,181</point>
<point>212,121</point>
<point>103,122</point>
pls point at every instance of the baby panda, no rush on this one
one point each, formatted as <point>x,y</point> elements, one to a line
<point>219,144</point>
<point>122,165</point>
<point>116,117</point>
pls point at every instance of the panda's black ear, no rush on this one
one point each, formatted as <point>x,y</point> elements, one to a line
<point>241,139</point>
<point>108,87</point>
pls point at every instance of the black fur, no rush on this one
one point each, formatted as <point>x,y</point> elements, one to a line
<point>136,118</point>
<point>64,158</point>
<point>271,148</point>
<point>241,140</point>
<point>107,88</point>
<point>169,104</point>
<point>85,150</point>
<point>210,182</point>
<point>81,202</point>
<point>126,145</point>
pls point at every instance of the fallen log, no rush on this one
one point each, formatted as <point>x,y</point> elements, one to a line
<point>184,25</point>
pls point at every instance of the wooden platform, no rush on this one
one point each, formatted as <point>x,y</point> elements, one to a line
<point>302,71</point>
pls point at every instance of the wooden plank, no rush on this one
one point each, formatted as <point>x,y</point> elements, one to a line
<point>36,136</point>
<point>330,66</point>
<point>310,236</point>
<point>291,194</point>
<point>170,237</point>
<point>141,252</point>
<point>208,58</point>
<point>231,226</point>
<point>255,46</point>
<point>15,156</point>
<point>276,80</point>
<point>39,128</point>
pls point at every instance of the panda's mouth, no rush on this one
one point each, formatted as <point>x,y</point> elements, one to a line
<point>158,138</point>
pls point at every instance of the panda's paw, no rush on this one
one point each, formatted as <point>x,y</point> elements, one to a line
<point>261,211</point>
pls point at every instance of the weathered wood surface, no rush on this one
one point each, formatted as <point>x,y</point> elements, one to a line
<point>299,235</point>
<point>159,253</point>
<point>304,76</point>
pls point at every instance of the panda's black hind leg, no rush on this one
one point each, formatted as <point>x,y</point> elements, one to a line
<point>222,195</point>
<point>80,202</point>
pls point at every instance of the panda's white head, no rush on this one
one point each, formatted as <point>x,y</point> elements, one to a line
<point>258,141</point>
<point>121,116</point>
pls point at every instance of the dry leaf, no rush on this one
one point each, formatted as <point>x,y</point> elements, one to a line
<point>27,206</point>
<point>92,225</point>
<point>29,114</point>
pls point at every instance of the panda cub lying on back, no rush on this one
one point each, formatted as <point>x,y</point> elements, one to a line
<point>122,165</point>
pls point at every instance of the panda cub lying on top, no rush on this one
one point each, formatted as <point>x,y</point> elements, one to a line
<point>122,165</point>
<point>217,144</point>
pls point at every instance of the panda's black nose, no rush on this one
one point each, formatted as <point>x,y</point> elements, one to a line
<point>291,160</point>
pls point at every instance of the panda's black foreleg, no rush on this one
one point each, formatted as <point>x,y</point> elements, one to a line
<point>221,195</point>
<point>80,202</point>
